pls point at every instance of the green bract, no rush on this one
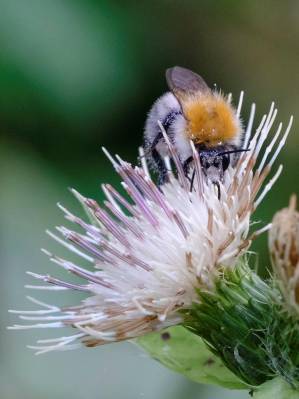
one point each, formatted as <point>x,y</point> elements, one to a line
<point>244,322</point>
<point>240,336</point>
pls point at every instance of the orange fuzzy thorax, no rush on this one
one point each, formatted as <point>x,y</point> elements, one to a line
<point>211,119</point>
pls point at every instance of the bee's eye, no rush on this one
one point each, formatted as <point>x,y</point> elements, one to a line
<point>216,163</point>
<point>225,161</point>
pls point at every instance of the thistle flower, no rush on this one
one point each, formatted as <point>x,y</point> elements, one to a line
<point>284,251</point>
<point>152,253</point>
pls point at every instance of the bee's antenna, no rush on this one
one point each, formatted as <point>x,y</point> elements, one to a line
<point>192,180</point>
<point>234,151</point>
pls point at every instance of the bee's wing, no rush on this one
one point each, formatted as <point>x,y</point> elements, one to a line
<point>182,82</point>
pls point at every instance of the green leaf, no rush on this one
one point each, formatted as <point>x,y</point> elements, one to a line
<point>186,353</point>
<point>276,388</point>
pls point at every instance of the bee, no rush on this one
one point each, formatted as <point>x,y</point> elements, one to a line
<point>192,111</point>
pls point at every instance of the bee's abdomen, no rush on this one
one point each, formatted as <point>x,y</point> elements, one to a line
<point>166,110</point>
<point>170,118</point>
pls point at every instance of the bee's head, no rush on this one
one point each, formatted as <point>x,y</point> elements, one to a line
<point>214,164</point>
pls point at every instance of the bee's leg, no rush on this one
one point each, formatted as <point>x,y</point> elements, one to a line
<point>160,166</point>
<point>186,165</point>
<point>157,159</point>
<point>192,180</point>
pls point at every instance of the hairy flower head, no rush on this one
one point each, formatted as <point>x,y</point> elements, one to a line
<point>150,253</point>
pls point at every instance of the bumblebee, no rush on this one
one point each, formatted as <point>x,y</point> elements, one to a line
<point>192,111</point>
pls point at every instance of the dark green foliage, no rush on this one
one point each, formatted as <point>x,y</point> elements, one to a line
<point>244,323</point>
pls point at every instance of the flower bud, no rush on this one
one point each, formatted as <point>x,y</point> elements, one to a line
<point>284,251</point>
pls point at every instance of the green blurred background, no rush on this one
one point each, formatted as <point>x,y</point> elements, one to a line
<point>76,75</point>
